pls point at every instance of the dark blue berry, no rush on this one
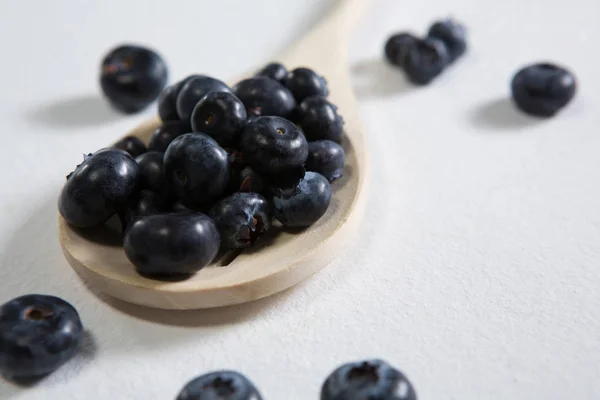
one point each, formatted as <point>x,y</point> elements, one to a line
<point>397,46</point>
<point>197,168</point>
<point>194,89</point>
<point>152,175</point>
<point>273,145</point>
<point>132,77</point>
<point>453,34</point>
<point>131,144</point>
<point>220,385</point>
<point>304,82</point>
<point>320,120</point>
<point>265,96</point>
<point>543,89</point>
<point>146,203</point>
<point>167,101</point>
<point>38,334</point>
<point>367,380</point>
<point>306,205</point>
<point>164,135</point>
<point>274,71</point>
<point>99,187</point>
<point>222,116</point>
<point>424,61</point>
<point>172,244</point>
<point>326,158</point>
<point>249,180</point>
<point>241,218</point>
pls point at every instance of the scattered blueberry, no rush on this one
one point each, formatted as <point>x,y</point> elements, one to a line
<point>265,96</point>
<point>146,203</point>
<point>164,135</point>
<point>132,77</point>
<point>131,144</point>
<point>274,71</point>
<point>193,90</point>
<point>367,380</point>
<point>453,34</point>
<point>397,46</point>
<point>197,168</point>
<point>171,245</point>
<point>38,334</point>
<point>425,61</point>
<point>167,101</point>
<point>543,89</point>
<point>326,158</point>
<point>304,82</point>
<point>152,175</point>
<point>273,145</point>
<point>241,218</point>
<point>320,120</point>
<point>306,205</point>
<point>98,187</point>
<point>222,116</point>
<point>220,385</point>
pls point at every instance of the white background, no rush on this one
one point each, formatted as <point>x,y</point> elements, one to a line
<point>477,267</point>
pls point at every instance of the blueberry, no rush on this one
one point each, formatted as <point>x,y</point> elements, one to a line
<point>397,46</point>
<point>164,135</point>
<point>326,158</point>
<point>273,145</point>
<point>543,89</point>
<point>424,61</point>
<point>453,34</point>
<point>152,175</point>
<point>146,203</point>
<point>304,82</point>
<point>131,144</point>
<point>265,96</point>
<point>220,385</point>
<point>241,218</point>
<point>197,168</point>
<point>98,188</point>
<point>306,205</point>
<point>222,116</point>
<point>174,244</point>
<point>38,334</point>
<point>251,181</point>
<point>132,77</point>
<point>179,207</point>
<point>167,101</point>
<point>320,120</point>
<point>366,380</point>
<point>274,71</point>
<point>193,90</point>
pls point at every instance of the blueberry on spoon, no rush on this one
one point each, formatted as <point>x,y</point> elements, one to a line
<point>264,96</point>
<point>222,116</point>
<point>131,144</point>
<point>306,205</point>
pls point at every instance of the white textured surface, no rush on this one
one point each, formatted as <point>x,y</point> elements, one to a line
<point>478,267</point>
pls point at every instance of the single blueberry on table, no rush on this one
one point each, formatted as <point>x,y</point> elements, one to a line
<point>273,145</point>
<point>152,175</point>
<point>367,380</point>
<point>164,134</point>
<point>171,245</point>
<point>274,71</point>
<point>304,82</point>
<point>425,61</point>
<point>306,205</point>
<point>264,96</point>
<point>146,203</point>
<point>222,116</point>
<point>543,89</point>
<point>98,188</point>
<point>220,385</point>
<point>131,144</point>
<point>397,46</point>
<point>319,119</point>
<point>38,334</point>
<point>326,158</point>
<point>194,89</point>
<point>197,168</point>
<point>132,77</point>
<point>167,101</point>
<point>242,219</point>
<point>453,34</point>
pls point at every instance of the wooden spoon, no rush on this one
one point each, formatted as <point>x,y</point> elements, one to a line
<point>284,259</point>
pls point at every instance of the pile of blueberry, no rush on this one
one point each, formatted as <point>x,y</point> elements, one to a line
<point>224,163</point>
<point>422,60</point>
